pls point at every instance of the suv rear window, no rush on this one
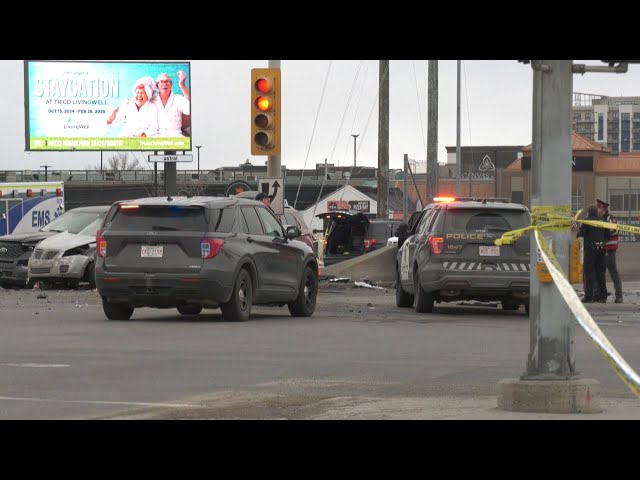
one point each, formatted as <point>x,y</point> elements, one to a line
<point>485,220</point>
<point>148,218</point>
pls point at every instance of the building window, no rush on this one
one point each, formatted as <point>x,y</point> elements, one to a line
<point>600,126</point>
<point>625,132</point>
<point>577,200</point>
<point>587,116</point>
<point>517,197</point>
<point>624,200</point>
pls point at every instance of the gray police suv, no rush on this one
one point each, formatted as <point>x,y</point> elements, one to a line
<point>448,254</point>
<point>192,253</point>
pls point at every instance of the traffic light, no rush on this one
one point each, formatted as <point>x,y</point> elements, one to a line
<point>265,111</point>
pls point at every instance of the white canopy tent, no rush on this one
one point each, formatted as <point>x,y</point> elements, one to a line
<point>345,198</point>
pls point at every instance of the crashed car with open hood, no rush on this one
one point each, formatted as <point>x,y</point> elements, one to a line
<point>67,257</point>
<point>16,249</point>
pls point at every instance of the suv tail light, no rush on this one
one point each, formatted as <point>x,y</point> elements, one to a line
<point>101,244</point>
<point>437,244</point>
<point>370,243</point>
<point>209,247</point>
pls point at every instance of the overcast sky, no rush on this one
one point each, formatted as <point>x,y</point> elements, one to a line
<point>495,110</point>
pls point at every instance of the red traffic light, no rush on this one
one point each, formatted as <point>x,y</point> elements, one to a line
<point>263,85</point>
<point>265,111</point>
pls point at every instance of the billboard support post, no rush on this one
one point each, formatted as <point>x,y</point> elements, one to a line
<point>170,180</point>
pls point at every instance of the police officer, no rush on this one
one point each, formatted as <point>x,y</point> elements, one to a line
<point>595,267</point>
<point>264,198</point>
<point>611,247</point>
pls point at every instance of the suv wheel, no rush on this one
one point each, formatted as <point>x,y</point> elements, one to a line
<point>305,304</point>
<point>510,305</point>
<point>189,309</point>
<point>117,311</point>
<point>90,275</point>
<point>422,301</point>
<point>238,308</point>
<point>403,299</point>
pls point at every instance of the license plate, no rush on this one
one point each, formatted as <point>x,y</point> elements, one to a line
<point>148,251</point>
<point>489,251</point>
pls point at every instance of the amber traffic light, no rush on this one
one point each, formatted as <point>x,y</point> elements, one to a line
<point>265,111</point>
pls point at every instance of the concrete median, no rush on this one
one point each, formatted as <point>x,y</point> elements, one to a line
<point>376,266</point>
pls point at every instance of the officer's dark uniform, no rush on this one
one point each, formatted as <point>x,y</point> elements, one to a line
<point>595,259</point>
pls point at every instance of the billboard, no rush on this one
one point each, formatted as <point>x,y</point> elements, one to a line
<point>95,106</point>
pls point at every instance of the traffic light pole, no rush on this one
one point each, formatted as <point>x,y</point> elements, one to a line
<point>274,169</point>
<point>550,383</point>
<point>551,322</point>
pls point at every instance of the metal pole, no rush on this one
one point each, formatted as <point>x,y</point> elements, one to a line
<point>46,174</point>
<point>100,161</point>
<point>404,188</point>
<point>198,147</point>
<point>354,147</point>
<point>383,140</point>
<point>432,129</point>
<point>552,327</point>
<point>458,148</point>
<point>274,169</point>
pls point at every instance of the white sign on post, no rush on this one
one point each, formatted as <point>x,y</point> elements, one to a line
<point>170,158</point>
<point>274,187</point>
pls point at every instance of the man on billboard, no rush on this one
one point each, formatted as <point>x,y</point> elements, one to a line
<point>174,114</point>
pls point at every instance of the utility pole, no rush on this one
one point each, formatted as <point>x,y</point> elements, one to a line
<point>354,147</point>
<point>383,140</point>
<point>551,371</point>
<point>405,200</point>
<point>198,147</point>
<point>458,149</point>
<point>432,130</point>
<point>101,161</point>
<point>551,324</point>
<point>274,170</point>
<point>46,174</point>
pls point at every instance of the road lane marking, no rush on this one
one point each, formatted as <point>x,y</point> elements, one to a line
<point>36,365</point>
<point>100,402</point>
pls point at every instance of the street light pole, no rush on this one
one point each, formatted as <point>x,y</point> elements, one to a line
<point>198,147</point>
<point>46,173</point>
<point>354,147</point>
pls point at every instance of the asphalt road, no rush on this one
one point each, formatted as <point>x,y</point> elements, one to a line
<point>358,357</point>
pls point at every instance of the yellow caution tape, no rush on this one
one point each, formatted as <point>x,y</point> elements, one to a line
<point>611,355</point>
<point>556,219</point>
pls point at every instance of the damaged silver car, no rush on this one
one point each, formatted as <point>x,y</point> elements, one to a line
<point>67,258</point>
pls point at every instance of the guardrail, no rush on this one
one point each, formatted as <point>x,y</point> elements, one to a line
<point>123,176</point>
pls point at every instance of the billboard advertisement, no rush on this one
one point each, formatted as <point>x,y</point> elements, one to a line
<point>95,105</point>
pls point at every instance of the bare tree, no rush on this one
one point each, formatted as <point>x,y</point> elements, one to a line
<point>184,189</point>
<point>119,161</point>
